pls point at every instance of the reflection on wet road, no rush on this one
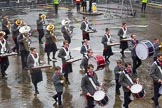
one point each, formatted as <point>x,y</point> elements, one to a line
<point>18,92</point>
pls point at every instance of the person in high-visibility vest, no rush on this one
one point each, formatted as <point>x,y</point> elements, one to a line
<point>78,5</point>
<point>144,2</point>
<point>56,3</point>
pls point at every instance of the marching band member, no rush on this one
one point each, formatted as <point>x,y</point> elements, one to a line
<point>106,39</point>
<point>36,74</point>
<point>85,47</point>
<point>66,30</point>
<point>3,60</point>
<point>156,75</point>
<point>85,27</point>
<point>6,26</point>
<point>87,86</point>
<point>157,48</point>
<point>24,45</point>
<point>15,33</point>
<point>126,79</point>
<point>84,62</point>
<point>65,55</point>
<point>50,45</point>
<point>132,45</point>
<point>122,34</point>
<point>40,23</point>
<point>117,71</point>
<point>58,84</point>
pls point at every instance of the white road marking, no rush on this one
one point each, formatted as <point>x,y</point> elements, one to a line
<point>128,26</point>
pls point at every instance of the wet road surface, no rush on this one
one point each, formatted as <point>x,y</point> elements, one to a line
<point>18,92</point>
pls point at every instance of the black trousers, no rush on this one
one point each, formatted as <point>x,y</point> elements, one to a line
<point>56,9</point>
<point>16,47</point>
<point>143,8</point>
<point>41,34</point>
<point>117,85</point>
<point>24,56</point>
<point>156,93</point>
<point>90,102</point>
<point>4,65</point>
<point>58,95</point>
<point>127,99</point>
<point>136,63</point>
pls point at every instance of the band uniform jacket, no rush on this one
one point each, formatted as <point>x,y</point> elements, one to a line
<point>15,31</point>
<point>57,82</point>
<point>84,49</point>
<point>123,45</point>
<point>66,67</point>
<point>84,63</point>
<point>117,71</point>
<point>132,48</point>
<point>50,44</point>
<point>124,81</point>
<point>6,46</point>
<point>85,28</point>
<point>87,86</point>
<point>36,74</point>
<point>4,26</point>
<point>66,33</point>
<point>21,40</point>
<point>40,24</point>
<point>157,49</point>
<point>155,72</point>
<point>107,49</point>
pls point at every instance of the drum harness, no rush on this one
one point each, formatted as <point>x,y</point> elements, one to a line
<point>128,77</point>
<point>158,67</point>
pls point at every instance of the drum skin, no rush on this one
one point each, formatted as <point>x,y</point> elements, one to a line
<point>101,98</point>
<point>97,61</point>
<point>144,49</point>
<point>138,91</point>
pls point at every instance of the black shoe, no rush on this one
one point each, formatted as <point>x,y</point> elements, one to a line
<point>54,99</point>
<point>118,92</point>
<point>4,77</point>
<point>36,92</point>
<point>5,74</point>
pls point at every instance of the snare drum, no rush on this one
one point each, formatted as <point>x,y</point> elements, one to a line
<point>144,49</point>
<point>97,61</point>
<point>138,91</point>
<point>101,98</point>
<point>160,90</point>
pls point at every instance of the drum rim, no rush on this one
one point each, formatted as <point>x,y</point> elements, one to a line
<point>142,42</point>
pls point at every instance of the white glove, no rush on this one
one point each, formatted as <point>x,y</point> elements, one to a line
<point>62,81</point>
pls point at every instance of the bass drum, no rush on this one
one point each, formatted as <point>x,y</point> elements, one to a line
<point>101,98</point>
<point>97,61</point>
<point>144,49</point>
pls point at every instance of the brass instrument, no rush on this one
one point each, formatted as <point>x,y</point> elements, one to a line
<point>24,30</point>
<point>50,28</point>
<point>43,17</point>
<point>64,80</point>
<point>2,32</point>
<point>160,46</point>
<point>19,22</point>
